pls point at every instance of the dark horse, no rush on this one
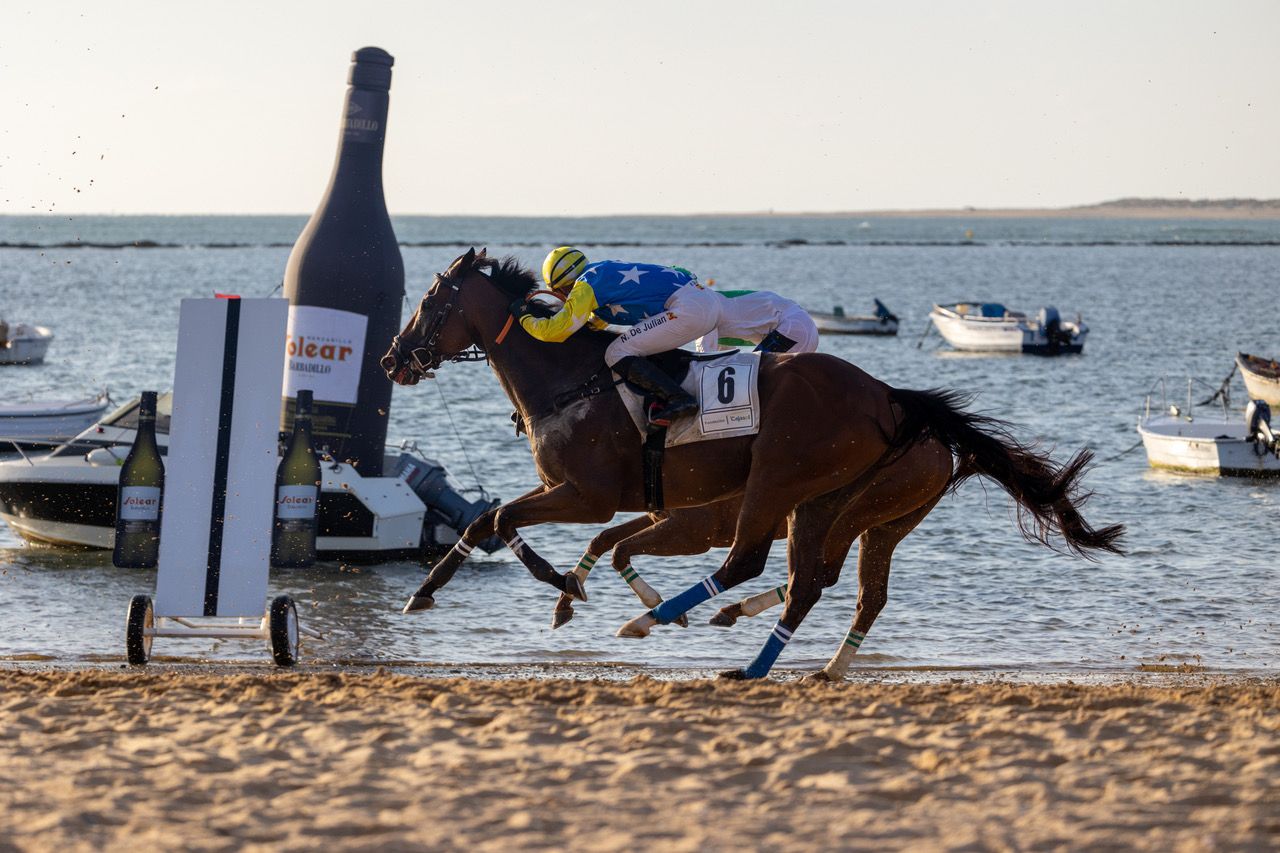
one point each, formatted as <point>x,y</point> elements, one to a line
<point>839,455</point>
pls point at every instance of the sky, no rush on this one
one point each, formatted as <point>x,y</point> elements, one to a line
<point>603,107</point>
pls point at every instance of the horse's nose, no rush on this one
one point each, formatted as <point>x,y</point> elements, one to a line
<point>390,365</point>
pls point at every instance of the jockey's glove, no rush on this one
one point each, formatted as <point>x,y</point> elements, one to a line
<point>520,308</point>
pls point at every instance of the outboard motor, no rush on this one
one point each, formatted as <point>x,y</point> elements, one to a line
<point>884,313</point>
<point>1051,325</point>
<point>1257,418</point>
<point>445,505</point>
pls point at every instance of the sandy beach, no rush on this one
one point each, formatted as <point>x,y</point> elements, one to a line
<point>102,759</point>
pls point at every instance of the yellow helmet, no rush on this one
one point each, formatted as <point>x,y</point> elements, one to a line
<point>563,266</point>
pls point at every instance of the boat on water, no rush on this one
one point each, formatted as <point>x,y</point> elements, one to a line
<point>23,343</point>
<point>40,425</point>
<point>991,327</point>
<point>1216,441</point>
<point>1261,377</point>
<point>67,496</point>
<point>837,322</point>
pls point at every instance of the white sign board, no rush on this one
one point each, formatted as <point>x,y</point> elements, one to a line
<point>215,535</point>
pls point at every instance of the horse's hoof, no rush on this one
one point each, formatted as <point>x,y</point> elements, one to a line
<point>683,620</point>
<point>561,617</point>
<point>637,628</point>
<point>724,618</point>
<point>733,675</point>
<point>573,586</point>
<point>821,676</point>
<point>419,602</point>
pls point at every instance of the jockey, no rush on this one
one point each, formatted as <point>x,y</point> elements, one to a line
<point>665,307</point>
<point>773,322</point>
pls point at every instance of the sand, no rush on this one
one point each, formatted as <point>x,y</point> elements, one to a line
<point>312,761</point>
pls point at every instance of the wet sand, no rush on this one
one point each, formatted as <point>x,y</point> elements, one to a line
<point>171,758</point>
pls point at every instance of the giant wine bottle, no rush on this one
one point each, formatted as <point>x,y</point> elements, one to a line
<point>345,285</point>
<point>139,495</point>
<point>293,541</point>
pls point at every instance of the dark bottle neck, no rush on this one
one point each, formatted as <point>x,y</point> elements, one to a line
<point>357,169</point>
<point>146,431</point>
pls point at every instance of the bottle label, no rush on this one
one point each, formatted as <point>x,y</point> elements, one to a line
<point>139,503</point>
<point>324,349</point>
<point>361,124</point>
<point>295,502</point>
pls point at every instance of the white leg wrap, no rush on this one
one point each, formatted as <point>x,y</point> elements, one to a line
<point>584,567</point>
<point>838,666</point>
<point>758,604</point>
<point>516,544</point>
<point>648,595</point>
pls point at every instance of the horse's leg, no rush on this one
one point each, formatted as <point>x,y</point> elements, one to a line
<point>808,573</point>
<point>603,542</point>
<point>751,606</point>
<point>559,504</point>
<point>875,553</point>
<point>442,572</point>
<point>757,522</point>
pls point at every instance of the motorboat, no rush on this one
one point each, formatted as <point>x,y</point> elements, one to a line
<point>1216,441</point>
<point>67,496</point>
<point>41,425</point>
<point>1261,377</point>
<point>991,327</point>
<point>837,322</point>
<point>22,343</point>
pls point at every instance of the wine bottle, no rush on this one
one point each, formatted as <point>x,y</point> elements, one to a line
<point>140,494</point>
<point>293,540</point>
<point>345,284</point>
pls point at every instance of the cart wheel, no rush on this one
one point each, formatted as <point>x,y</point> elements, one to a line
<point>141,618</point>
<point>283,622</point>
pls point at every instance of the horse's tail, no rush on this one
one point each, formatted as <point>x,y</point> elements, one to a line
<point>1049,496</point>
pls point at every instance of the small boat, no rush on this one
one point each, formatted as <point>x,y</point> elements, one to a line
<point>68,496</point>
<point>21,343</point>
<point>45,424</point>
<point>1261,377</point>
<point>1217,442</point>
<point>991,327</point>
<point>883,322</point>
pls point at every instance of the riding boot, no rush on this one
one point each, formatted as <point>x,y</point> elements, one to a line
<point>646,375</point>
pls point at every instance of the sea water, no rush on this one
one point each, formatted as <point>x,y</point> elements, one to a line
<point>1200,584</point>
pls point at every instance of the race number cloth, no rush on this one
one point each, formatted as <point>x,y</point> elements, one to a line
<point>726,388</point>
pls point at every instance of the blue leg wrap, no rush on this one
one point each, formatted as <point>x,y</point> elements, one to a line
<point>773,647</point>
<point>673,608</point>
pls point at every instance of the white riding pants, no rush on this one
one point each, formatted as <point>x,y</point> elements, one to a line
<point>752,316</point>
<point>689,313</point>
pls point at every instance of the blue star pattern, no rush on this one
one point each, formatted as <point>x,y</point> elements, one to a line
<point>628,293</point>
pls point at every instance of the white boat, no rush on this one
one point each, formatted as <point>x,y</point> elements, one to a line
<point>991,327</point>
<point>883,322</point>
<point>45,424</point>
<point>1215,441</point>
<point>21,343</point>
<point>68,496</point>
<point>1261,377</point>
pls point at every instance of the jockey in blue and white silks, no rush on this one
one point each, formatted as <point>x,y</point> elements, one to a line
<point>665,307</point>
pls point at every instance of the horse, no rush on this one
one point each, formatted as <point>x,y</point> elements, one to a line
<point>828,432</point>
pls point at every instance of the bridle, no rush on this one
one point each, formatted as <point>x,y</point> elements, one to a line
<point>424,360</point>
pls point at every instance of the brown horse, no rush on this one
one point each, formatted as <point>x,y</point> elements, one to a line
<point>829,433</point>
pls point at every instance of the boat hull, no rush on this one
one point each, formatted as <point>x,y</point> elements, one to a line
<point>830,324</point>
<point>63,501</point>
<point>41,426</point>
<point>1014,335</point>
<point>27,345</point>
<point>1259,385</point>
<point>1213,446</point>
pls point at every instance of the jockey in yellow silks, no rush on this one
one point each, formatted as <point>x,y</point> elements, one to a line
<point>665,307</point>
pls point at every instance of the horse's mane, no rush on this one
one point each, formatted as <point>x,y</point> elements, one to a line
<point>508,276</point>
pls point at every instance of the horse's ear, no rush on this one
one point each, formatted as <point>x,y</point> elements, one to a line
<point>462,263</point>
<point>482,254</point>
